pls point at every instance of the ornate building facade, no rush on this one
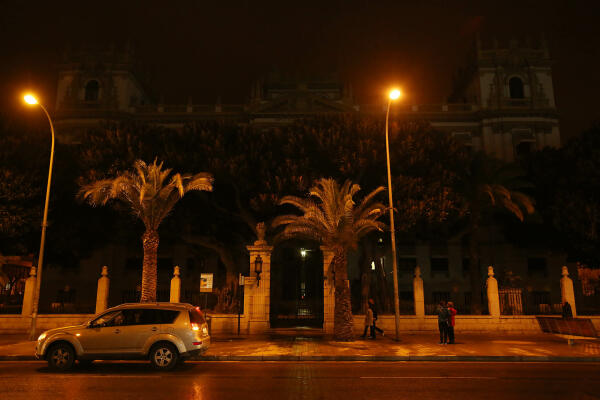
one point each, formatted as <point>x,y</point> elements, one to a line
<point>502,102</point>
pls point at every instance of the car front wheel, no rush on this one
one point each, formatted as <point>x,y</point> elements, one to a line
<point>163,356</point>
<point>61,357</point>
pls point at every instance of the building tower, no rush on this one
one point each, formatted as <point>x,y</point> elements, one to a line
<point>95,86</point>
<point>512,88</point>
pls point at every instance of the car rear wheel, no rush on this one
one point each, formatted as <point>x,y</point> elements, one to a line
<point>61,357</point>
<point>163,356</point>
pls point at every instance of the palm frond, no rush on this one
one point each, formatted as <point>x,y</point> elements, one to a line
<point>524,201</point>
<point>300,203</point>
<point>367,200</point>
<point>284,220</point>
<point>365,226</point>
<point>513,208</point>
<point>202,181</point>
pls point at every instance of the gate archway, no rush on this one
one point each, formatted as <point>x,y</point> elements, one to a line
<point>296,285</point>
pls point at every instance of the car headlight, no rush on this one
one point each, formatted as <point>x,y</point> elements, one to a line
<point>42,336</point>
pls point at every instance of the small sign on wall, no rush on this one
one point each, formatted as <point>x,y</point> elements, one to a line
<point>206,282</point>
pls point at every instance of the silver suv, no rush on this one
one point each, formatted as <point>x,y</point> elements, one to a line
<point>161,332</point>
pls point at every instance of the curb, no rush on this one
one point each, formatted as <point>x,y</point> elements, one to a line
<point>400,358</point>
<point>367,358</point>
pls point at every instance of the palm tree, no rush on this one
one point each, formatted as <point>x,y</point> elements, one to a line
<point>331,217</point>
<point>151,198</point>
<point>487,185</point>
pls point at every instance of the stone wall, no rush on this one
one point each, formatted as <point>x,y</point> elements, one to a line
<point>226,324</point>
<point>15,324</point>
<point>464,323</point>
<point>19,324</point>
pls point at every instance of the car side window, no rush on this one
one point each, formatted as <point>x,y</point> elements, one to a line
<point>141,316</point>
<point>105,319</point>
<point>167,316</point>
<point>144,316</point>
<point>133,316</point>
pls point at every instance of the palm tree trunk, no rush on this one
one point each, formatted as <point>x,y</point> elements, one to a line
<point>150,243</point>
<point>343,323</point>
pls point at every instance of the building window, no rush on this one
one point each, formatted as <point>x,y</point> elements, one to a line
<point>537,267</point>
<point>92,90</point>
<point>439,265</point>
<point>440,296</point>
<point>515,88</point>
<point>466,267</point>
<point>406,265</point>
<point>523,149</point>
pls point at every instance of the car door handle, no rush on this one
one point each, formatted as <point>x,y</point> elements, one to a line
<point>154,329</point>
<point>117,331</point>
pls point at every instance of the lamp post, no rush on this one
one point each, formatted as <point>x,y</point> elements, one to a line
<point>394,94</point>
<point>30,99</point>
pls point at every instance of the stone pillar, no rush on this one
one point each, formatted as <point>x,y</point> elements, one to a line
<point>492,294</point>
<point>175,286</point>
<point>419,294</point>
<point>257,296</point>
<point>102,294</point>
<point>567,294</point>
<point>328,290</point>
<point>26,309</point>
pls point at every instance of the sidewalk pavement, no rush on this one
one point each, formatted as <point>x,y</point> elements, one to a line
<point>299,345</point>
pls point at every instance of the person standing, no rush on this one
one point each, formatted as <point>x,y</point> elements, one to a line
<point>443,320</point>
<point>567,311</point>
<point>369,323</point>
<point>452,311</point>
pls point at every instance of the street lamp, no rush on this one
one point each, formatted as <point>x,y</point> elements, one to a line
<point>394,95</point>
<point>258,262</point>
<point>31,100</point>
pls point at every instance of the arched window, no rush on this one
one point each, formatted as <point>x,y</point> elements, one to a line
<point>92,89</point>
<point>515,88</point>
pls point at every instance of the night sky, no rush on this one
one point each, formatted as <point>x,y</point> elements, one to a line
<point>193,48</point>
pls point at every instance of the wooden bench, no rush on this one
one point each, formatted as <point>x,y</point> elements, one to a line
<point>569,328</point>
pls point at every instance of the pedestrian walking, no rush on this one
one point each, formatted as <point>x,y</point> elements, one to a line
<point>452,321</point>
<point>375,314</point>
<point>443,320</point>
<point>368,323</point>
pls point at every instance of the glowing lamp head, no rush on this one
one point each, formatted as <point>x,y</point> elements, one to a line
<point>30,99</point>
<point>395,94</point>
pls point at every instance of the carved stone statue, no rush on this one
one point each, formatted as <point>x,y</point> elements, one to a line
<point>260,232</point>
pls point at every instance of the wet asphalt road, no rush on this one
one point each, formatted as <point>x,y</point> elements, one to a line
<point>304,380</point>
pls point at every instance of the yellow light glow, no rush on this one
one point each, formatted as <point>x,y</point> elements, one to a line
<point>30,99</point>
<point>395,94</point>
